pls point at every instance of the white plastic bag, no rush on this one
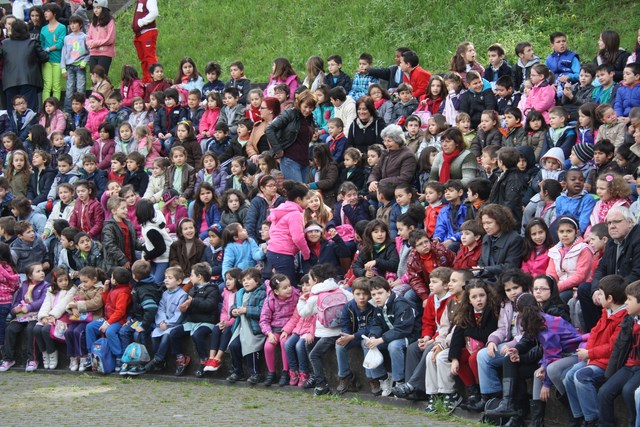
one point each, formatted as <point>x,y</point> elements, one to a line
<point>373,359</point>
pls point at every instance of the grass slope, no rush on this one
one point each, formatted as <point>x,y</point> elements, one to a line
<point>256,32</point>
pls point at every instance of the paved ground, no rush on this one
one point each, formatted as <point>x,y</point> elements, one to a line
<point>85,400</point>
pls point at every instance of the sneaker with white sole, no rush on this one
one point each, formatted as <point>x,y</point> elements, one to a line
<point>53,360</point>
<point>385,386</point>
<point>32,365</point>
<point>451,401</point>
<point>45,360</point>
<point>85,364</point>
<point>74,364</point>
<point>6,365</point>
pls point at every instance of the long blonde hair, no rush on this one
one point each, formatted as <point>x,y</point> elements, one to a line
<point>324,214</point>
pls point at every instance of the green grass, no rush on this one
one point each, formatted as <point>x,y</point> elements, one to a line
<point>257,32</point>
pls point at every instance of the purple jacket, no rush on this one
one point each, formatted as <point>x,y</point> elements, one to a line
<point>37,296</point>
<point>276,312</point>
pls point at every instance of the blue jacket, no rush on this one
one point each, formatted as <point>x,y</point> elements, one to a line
<point>354,321</point>
<point>21,124</point>
<point>99,177</point>
<point>168,311</point>
<point>241,255</point>
<point>396,211</point>
<point>447,227</point>
<point>566,141</point>
<point>354,214</point>
<point>330,253</point>
<point>627,97</point>
<point>257,214</point>
<point>566,63</point>
<point>579,207</point>
<point>398,323</point>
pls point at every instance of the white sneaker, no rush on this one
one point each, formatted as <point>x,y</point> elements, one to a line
<point>385,386</point>
<point>85,364</point>
<point>32,365</point>
<point>74,363</point>
<point>45,360</point>
<point>53,360</point>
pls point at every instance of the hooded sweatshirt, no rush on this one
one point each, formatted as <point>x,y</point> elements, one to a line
<point>287,230</point>
<point>309,307</point>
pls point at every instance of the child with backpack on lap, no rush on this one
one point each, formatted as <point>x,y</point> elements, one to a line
<point>145,297</point>
<point>117,298</point>
<point>326,300</point>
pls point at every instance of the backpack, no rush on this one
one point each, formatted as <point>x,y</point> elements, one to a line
<point>103,360</point>
<point>136,354</point>
<point>493,420</point>
<point>330,306</point>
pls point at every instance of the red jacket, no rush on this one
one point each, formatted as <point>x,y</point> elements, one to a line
<point>431,317</point>
<point>431,217</point>
<point>130,91</point>
<point>603,335</point>
<point>418,276</point>
<point>466,259</point>
<point>103,150</point>
<point>116,301</point>
<point>418,78</point>
<point>89,218</point>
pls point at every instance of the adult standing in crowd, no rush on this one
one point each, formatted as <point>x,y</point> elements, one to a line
<point>101,37</point>
<point>22,72</point>
<point>145,35</point>
<point>258,141</point>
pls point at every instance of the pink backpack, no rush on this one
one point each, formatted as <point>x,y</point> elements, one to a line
<point>330,306</point>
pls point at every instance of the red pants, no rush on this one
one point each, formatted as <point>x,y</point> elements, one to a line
<point>146,48</point>
<point>468,371</point>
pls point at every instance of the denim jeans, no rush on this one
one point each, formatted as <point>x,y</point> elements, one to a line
<point>199,337</point>
<point>626,380</point>
<point>128,335</point>
<point>637,399</point>
<point>76,82</point>
<point>316,350</point>
<point>555,372</point>
<point>580,385</point>
<point>294,170</point>
<point>157,271</point>
<point>161,346</point>
<point>396,350</point>
<point>93,333</point>
<point>488,370</point>
<point>296,349</point>
<point>415,362</point>
<point>380,371</point>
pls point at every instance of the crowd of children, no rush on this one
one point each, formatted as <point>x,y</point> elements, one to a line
<point>459,225</point>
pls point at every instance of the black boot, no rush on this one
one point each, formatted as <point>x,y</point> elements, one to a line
<point>515,421</point>
<point>537,413</point>
<point>478,405</point>
<point>472,396</point>
<point>271,378</point>
<point>575,422</point>
<point>506,408</point>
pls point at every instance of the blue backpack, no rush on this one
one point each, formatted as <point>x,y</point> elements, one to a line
<point>102,360</point>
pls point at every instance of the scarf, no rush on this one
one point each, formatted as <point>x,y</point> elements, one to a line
<point>333,146</point>
<point>363,126</point>
<point>445,169</point>
<point>379,103</point>
<point>604,208</point>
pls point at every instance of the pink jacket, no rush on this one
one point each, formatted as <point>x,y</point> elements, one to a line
<point>181,212</point>
<point>277,312</point>
<point>58,122</point>
<point>9,283</point>
<point>300,325</point>
<point>103,150</point>
<point>542,98</point>
<point>572,269</point>
<point>536,264</point>
<point>130,91</point>
<point>228,299</point>
<point>102,40</point>
<point>287,230</point>
<point>150,156</point>
<point>291,81</point>
<point>94,120</point>
<point>208,121</point>
<point>131,216</point>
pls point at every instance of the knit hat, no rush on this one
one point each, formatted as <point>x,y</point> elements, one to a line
<point>169,195</point>
<point>216,229</point>
<point>584,152</point>
<point>101,3</point>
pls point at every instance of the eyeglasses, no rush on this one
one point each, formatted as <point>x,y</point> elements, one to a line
<point>541,289</point>
<point>614,222</point>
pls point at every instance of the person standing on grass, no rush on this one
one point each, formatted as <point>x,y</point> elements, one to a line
<point>145,35</point>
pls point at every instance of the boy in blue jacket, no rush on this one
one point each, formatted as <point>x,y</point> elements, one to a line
<point>451,216</point>
<point>355,321</point>
<point>393,328</point>
<point>628,94</point>
<point>145,297</point>
<point>564,63</point>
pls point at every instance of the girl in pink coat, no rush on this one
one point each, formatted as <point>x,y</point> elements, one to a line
<point>52,118</point>
<point>97,114</point>
<point>282,73</point>
<point>131,86</point>
<point>101,36</point>
<point>542,97</point>
<point>277,310</point>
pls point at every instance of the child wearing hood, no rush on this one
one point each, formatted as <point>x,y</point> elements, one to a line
<point>551,167</point>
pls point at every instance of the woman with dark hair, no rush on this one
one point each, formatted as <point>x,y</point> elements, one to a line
<point>289,136</point>
<point>287,232</point>
<point>156,239</point>
<point>501,246</point>
<point>21,73</point>
<point>366,129</point>
<point>397,165</point>
<point>610,52</point>
<point>455,161</point>
<point>258,142</point>
<point>36,21</point>
<point>261,205</point>
<point>101,36</point>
